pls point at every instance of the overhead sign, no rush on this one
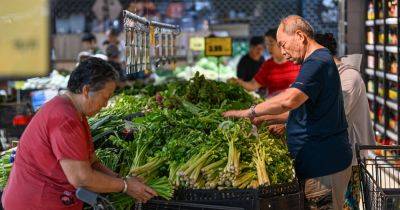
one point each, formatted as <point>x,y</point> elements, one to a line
<point>218,46</point>
<point>24,38</point>
<point>196,43</point>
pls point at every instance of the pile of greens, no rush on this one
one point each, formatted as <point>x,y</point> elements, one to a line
<point>181,140</point>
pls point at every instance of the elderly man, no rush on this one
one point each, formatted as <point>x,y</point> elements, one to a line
<point>316,127</point>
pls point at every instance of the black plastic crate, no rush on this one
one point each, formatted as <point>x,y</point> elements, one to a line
<point>173,205</point>
<point>285,196</point>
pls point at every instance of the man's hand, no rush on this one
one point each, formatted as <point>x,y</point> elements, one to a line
<point>236,113</point>
<point>138,190</point>
<point>279,129</point>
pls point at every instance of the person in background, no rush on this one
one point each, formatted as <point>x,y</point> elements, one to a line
<point>356,108</point>
<point>56,155</point>
<point>113,59</point>
<point>89,43</point>
<point>250,63</point>
<point>275,74</point>
<point>113,39</point>
<point>317,135</point>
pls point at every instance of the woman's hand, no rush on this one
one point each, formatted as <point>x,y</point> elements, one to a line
<point>139,190</point>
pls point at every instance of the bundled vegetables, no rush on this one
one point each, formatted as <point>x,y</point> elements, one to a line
<point>181,140</point>
<point>6,162</point>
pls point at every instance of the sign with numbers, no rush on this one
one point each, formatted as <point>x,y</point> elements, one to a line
<point>196,43</point>
<point>24,38</point>
<point>218,46</point>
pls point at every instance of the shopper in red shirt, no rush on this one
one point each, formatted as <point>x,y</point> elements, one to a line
<point>55,155</point>
<point>276,74</point>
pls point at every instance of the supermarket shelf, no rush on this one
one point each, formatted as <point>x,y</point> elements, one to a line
<point>369,47</point>
<point>379,128</point>
<point>391,21</point>
<point>391,77</point>
<point>369,23</point>
<point>380,100</point>
<point>379,22</point>
<point>392,135</point>
<point>391,49</point>
<point>369,72</point>
<point>379,47</point>
<point>391,105</point>
<point>380,74</point>
<point>370,96</point>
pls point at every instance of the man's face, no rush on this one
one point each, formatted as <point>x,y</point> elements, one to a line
<point>291,46</point>
<point>95,101</point>
<point>89,45</point>
<point>257,50</point>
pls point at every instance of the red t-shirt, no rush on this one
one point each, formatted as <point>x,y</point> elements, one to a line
<point>37,180</point>
<point>276,77</point>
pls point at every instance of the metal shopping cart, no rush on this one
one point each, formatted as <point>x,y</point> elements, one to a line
<point>380,176</point>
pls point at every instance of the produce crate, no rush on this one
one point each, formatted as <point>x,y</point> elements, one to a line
<point>285,196</point>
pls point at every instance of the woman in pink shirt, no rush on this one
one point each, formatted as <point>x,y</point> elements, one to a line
<point>55,155</point>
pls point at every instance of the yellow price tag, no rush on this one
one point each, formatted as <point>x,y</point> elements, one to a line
<point>218,46</point>
<point>152,36</point>
<point>196,43</point>
<point>24,38</point>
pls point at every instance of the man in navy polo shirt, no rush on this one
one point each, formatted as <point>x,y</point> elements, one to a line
<point>316,127</point>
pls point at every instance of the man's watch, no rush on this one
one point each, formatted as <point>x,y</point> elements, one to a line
<point>253,112</point>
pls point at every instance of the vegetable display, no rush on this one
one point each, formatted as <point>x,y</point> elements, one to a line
<point>6,162</point>
<point>175,137</point>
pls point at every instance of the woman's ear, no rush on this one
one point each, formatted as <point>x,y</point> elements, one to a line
<point>85,91</point>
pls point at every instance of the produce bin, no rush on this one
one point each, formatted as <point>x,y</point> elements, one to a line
<point>283,196</point>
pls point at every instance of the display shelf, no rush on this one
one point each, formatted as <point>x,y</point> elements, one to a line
<point>369,72</point>
<point>392,105</point>
<point>382,69</point>
<point>391,21</point>
<point>380,100</point>
<point>391,77</point>
<point>380,74</point>
<point>391,49</point>
<point>379,128</point>
<point>380,22</point>
<point>392,135</point>
<point>369,47</point>
<point>370,96</point>
<point>379,47</point>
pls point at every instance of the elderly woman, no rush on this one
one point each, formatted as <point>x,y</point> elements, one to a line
<point>56,155</point>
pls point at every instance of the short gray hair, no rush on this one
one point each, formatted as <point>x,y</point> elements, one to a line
<point>292,23</point>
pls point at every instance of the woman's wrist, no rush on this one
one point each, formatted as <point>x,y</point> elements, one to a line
<point>125,186</point>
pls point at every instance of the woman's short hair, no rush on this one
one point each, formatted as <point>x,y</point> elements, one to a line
<point>94,72</point>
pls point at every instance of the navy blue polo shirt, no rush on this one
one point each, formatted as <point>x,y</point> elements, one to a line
<point>317,130</point>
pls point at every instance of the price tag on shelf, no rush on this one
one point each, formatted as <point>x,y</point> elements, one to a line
<point>152,36</point>
<point>196,43</point>
<point>218,46</point>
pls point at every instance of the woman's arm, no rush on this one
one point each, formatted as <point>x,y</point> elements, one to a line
<point>250,86</point>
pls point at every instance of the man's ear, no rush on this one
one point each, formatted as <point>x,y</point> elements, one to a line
<point>300,36</point>
<point>85,91</point>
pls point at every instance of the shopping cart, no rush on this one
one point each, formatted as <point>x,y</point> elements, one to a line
<point>380,176</point>
<point>96,201</point>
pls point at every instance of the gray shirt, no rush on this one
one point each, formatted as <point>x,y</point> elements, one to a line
<point>355,103</point>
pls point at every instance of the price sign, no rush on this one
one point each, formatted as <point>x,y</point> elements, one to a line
<point>24,38</point>
<point>218,46</point>
<point>196,43</point>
